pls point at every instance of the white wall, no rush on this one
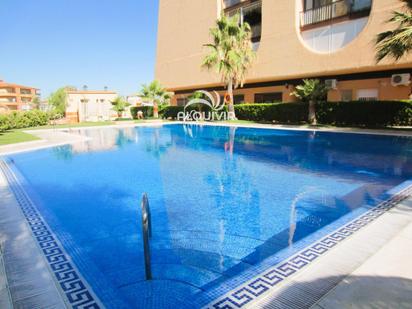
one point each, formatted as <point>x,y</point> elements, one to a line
<point>331,38</point>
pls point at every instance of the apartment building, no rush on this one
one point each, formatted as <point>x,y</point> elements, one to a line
<point>90,105</point>
<point>16,97</point>
<point>332,40</point>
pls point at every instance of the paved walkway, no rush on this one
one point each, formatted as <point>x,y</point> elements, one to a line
<point>383,281</point>
<point>30,284</point>
<point>48,138</point>
<point>370,269</point>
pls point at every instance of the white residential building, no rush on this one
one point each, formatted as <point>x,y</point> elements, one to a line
<point>90,105</point>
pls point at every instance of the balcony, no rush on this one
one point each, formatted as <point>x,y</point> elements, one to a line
<point>335,10</point>
<point>25,91</point>
<point>8,100</point>
<point>250,12</point>
<point>7,91</point>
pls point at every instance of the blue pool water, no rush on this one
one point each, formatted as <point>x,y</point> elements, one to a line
<point>226,203</point>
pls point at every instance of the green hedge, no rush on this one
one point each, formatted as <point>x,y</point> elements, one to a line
<point>354,113</point>
<point>273,112</point>
<point>171,112</point>
<point>147,111</point>
<point>365,113</point>
<point>19,120</point>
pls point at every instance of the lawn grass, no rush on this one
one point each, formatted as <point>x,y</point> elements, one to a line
<point>16,136</point>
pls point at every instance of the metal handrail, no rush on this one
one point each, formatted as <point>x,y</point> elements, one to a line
<point>334,10</point>
<point>147,233</point>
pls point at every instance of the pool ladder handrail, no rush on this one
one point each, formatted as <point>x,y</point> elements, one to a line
<point>147,233</point>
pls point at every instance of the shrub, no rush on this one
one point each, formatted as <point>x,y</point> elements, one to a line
<point>19,120</point>
<point>171,112</point>
<point>366,113</point>
<point>273,112</point>
<point>147,111</point>
<point>5,123</point>
<point>354,113</point>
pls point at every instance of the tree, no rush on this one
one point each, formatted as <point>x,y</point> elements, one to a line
<point>398,42</point>
<point>231,53</point>
<point>58,99</point>
<point>312,91</point>
<point>156,93</point>
<point>36,102</point>
<point>119,105</point>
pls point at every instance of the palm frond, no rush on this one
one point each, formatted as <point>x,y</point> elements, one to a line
<point>231,52</point>
<point>398,42</point>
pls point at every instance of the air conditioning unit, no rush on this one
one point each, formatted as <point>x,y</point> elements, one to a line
<point>401,79</point>
<point>331,83</point>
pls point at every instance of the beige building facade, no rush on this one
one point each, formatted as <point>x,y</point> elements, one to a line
<point>89,105</point>
<point>332,40</point>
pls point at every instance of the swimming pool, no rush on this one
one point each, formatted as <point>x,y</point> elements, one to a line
<point>226,202</point>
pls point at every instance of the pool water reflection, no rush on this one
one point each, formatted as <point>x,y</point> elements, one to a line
<point>226,202</point>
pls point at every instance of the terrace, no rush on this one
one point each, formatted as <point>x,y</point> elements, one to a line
<point>318,13</point>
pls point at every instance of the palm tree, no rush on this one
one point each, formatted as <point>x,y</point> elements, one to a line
<point>398,42</point>
<point>312,91</point>
<point>119,106</point>
<point>231,53</point>
<point>156,93</point>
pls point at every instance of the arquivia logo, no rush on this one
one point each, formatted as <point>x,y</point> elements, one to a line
<point>206,107</point>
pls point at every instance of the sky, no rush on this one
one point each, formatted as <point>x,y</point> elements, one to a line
<point>48,44</point>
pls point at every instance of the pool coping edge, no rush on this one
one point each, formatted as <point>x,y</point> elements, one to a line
<point>260,287</point>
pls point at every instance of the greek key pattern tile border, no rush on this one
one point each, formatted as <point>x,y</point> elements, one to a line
<point>77,293</point>
<point>258,286</point>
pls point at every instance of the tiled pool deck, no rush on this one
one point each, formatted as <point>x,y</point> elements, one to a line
<point>301,281</point>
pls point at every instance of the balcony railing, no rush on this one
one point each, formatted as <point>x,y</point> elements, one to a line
<point>334,10</point>
<point>25,91</point>
<point>7,91</point>
<point>7,100</point>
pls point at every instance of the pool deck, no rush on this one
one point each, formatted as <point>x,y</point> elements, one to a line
<point>376,273</point>
<point>26,280</point>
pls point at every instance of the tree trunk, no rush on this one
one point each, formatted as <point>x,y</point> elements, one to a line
<point>155,110</point>
<point>312,113</point>
<point>231,108</point>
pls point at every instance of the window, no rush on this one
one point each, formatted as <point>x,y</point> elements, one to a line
<point>252,14</point>
<point>237,99</point>
<point>346,95</point>
<point>25,91</point>
<point>313,4</point>
<point>181,101</point>
<point>229,3</point>
<point>270,97</point>
<point>367,94</point>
